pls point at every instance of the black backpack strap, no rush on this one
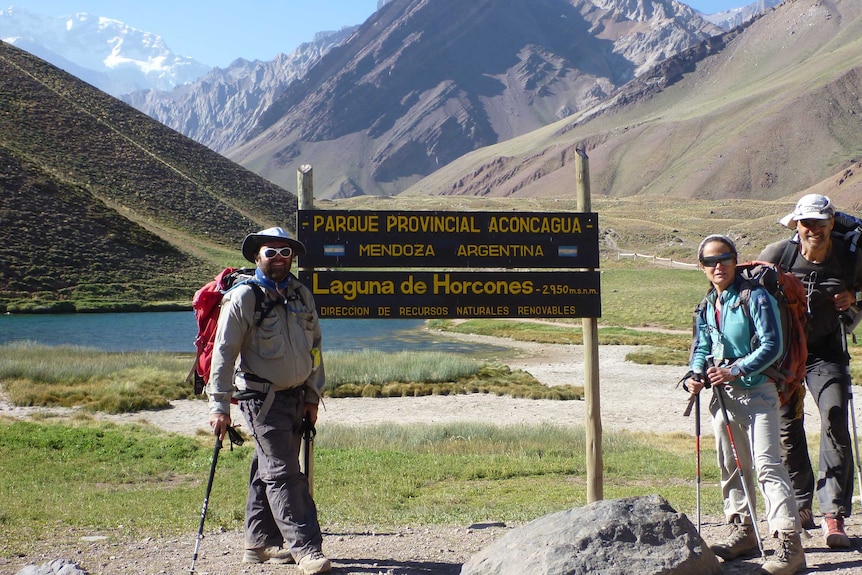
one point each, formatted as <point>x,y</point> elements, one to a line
<point>260,309</point>
<point>788,256</point>
<point>851,256</point>
<point>744,302</point>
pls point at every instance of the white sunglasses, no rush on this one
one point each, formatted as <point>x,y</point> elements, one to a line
<point>270,253</point>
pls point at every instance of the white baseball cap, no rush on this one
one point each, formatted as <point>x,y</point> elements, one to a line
<point>809,207</point>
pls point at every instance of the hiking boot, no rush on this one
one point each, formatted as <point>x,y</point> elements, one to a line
<point>806,519</point>
<point>314,562</point>
<point>833,532</point>
<point>788,558</point>
<point>267,555</point>
<point>741,541</point>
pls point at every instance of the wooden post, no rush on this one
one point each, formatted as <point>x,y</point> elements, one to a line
<point>305,187</point>
<point>305,201</point>
<point>593,426</point>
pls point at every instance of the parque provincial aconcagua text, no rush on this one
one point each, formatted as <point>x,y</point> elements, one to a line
<point>447,223</point>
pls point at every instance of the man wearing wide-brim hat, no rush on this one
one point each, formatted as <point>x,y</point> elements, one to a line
<point>831,275</point>
<point>267,357</point>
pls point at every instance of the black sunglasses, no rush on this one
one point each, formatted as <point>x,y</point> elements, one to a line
<point>712,261</point>
<point>811,223</point>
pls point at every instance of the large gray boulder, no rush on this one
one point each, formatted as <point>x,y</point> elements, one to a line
<point>642,535</point>
<point>54,567</point>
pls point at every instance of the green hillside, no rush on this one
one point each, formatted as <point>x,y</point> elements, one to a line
<point>105,208</point>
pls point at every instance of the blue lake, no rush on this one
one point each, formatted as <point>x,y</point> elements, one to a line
<point>175,332</point>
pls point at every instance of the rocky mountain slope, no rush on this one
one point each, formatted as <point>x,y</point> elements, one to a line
<point>222,106</point>
<point>423,82</point>
<point>763,112</point>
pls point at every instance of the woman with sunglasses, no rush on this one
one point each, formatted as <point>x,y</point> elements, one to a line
<point>748,431</point>
<point>832,274</point>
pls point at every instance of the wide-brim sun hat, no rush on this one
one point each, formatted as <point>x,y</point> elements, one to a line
<point>809,207</point>
<point>252,242</point>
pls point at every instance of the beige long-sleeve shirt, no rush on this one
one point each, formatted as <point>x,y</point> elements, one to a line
<point>283,350</point>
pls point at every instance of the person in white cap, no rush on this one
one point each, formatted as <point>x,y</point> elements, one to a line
<point>268,358</point>
<point>831,275</point>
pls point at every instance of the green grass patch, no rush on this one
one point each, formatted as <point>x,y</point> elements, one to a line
<point>648,296</point>
<point>658,356</point>
<point>413,374</point>
<point>69,376</point>
<point>35,375</point>
<point>376,367</point>
<point>100,479</point>
<point>96,478</point>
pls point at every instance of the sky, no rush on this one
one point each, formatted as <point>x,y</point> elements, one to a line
<point>216,32</point>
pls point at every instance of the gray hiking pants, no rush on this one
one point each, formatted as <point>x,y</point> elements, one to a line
<point>279,510</point>
<point>754,423</point>
<point>828,384</point>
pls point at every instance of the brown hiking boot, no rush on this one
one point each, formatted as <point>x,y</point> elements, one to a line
<point>267,555</point>
<point>313,563</point>
<point>789,558</point>
<point>741,541</point>
<point>806,518</point>
<point>833,532</point>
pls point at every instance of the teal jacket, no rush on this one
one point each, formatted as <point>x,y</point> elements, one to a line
<point>735,336</point>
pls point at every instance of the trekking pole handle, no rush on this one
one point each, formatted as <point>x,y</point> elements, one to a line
<point>234,437</point>
<point>693,397</point>
<point>308,429</point>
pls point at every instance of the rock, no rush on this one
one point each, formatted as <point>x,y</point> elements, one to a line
<point>642,535</point>
<point>55,567</point>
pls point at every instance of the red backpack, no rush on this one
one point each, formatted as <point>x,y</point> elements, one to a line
<point>788,371</point>
<point>207,304</point>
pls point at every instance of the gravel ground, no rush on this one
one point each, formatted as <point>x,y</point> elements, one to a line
<point>633,397</point>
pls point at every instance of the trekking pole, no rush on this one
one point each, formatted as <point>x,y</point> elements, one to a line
<point>719,393</point>
<point>306,453</point>
<point>852,407</point>
<point>235,439</point>
<point>206,502</point>
<point>694,401</point>
<point>697,450</point>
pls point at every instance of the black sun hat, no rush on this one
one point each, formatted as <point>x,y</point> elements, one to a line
<point>252,242</point>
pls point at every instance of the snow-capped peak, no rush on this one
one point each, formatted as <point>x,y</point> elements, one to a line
<point>105,52</point>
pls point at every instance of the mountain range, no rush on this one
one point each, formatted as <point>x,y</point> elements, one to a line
<point>764,112</point>
<point>222,107</point>
<point>414,88</point>
<point>545,76</point>
<point>100,201</point>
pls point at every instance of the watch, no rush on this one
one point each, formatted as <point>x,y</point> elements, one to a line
<point>735,371</point>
